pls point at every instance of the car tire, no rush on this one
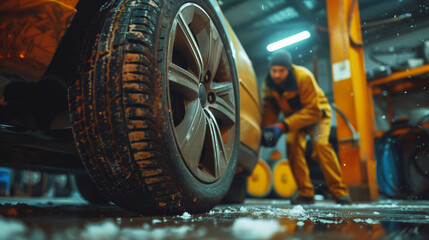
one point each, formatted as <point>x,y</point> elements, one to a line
<point>88,190</point>
<point>155,109</point>
<point>237,191</point>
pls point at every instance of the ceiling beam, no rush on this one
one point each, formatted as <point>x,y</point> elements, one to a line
<point>319,5</point>
<point>298,5</point>
<point>265,14</point>
<point>303,11</point>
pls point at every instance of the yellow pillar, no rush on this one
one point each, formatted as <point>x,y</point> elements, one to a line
<point>351,97</point>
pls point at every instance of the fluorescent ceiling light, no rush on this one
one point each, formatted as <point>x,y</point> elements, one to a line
<point>288,41</point>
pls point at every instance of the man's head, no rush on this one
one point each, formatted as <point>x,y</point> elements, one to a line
<point>280,65</point>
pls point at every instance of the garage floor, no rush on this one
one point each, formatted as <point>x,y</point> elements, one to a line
<point>72,218</point>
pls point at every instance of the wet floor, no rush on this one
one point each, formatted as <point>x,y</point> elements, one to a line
<point>72,218</point>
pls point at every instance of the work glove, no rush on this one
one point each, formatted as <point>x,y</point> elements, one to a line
<point>272,133</point>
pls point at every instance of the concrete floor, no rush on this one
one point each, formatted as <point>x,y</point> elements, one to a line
<point>72,218</point>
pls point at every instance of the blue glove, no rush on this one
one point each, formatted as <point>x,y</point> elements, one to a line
<point>271,134</point>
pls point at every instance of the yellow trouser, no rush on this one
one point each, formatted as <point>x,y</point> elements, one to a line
<point>323,153</point>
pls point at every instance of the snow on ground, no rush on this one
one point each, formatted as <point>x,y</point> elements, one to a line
<point>10,228</point>
<point>300,223</point>
<point>109,230</point>
<point>371,221</point>
<point>323,212</point>
<point>155,221</point>
<point>186,215</point>
<point>106,230</point>
<point>15,229</point>
<point>250,221</point>
<point>247,228</point>
<point>161,233</point>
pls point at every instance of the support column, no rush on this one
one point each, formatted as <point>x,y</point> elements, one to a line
<point>356,152</point>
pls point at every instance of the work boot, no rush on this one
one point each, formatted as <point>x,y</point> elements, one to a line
<point>343,200</point>
<point>297,199</point>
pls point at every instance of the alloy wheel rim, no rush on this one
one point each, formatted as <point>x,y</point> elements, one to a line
<point>201,93</point>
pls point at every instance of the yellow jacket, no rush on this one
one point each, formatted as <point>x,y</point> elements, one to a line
<point>300,99</point>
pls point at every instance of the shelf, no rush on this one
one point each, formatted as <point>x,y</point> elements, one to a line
<point>409,73</point>
<point>400,87</point>
<point>398,132</point>
<point>398,82</point>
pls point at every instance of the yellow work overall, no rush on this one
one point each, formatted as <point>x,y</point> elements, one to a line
<point>307,111</point>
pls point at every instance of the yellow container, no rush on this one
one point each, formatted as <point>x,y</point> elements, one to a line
<point>259,184</point>
<point>284,184</point>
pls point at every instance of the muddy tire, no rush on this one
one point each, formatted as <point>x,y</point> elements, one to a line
<point>88,190</point>
<point>237,191</point>
<point>155,110</point>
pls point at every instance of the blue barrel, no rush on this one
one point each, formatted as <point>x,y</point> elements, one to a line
<point>390,177</point>
<point>4,181</point>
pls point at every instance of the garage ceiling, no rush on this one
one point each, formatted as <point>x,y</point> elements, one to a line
<point>260,22</point>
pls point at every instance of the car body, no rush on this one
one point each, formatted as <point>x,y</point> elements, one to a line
<point>44,42</point>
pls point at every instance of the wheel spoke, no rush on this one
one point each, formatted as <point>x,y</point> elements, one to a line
<point>190,42</point>
<point>183,81</point>
<point>223,89</point>
<point>215,51</point>
<point>191,133</point>
<point>217,146</point>
<point>224,107</point>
